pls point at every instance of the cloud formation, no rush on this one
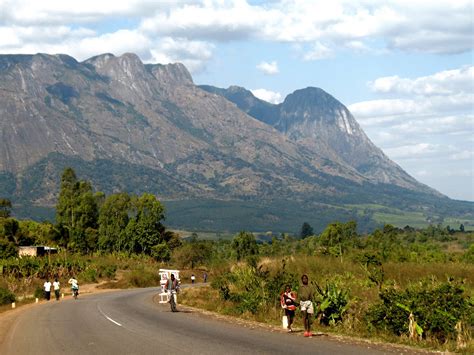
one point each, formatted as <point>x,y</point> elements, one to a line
<point>268,95</point>
<point>268,68</point>
<point>425,122</point>
<point>319,27</point>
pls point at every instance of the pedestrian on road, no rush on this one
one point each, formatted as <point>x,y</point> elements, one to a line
<point>288,303</point>
<point>306,295</point>
<point>193,278</point>
<point>47,289</point>
<point>56,288</point>
<point>204,276</point>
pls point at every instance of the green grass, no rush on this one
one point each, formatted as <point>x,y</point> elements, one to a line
<point>413,219</point>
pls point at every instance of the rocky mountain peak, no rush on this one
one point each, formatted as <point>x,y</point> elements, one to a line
<point>169,74</point>
<point>312,103</point>
<point>127,65</point>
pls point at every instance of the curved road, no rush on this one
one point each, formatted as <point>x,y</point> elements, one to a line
<point>130,322</point>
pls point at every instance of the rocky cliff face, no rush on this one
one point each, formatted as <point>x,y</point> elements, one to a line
<point>315,119</point>
<point>135,127</point>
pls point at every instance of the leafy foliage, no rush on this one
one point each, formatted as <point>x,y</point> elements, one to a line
<point>333,302</point>
<point>6,296</point>
<point>244,245</point>
<point>306,230</point>
<point>253,289</point>
<point>436,307</point>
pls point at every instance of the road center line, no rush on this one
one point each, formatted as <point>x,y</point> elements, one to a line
<point>107,317</point>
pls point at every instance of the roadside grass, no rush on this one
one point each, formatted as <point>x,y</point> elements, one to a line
<point>351,276</point>
<point>18,303</point>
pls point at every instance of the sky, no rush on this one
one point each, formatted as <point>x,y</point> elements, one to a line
<point>404,68</point>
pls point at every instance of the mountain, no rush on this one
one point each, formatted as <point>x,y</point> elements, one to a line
<point>140,127</point>
<point>317,120</point>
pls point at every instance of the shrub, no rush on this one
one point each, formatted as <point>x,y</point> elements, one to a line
<point>436,308</point>
<point>143,278</point>
<point>6,296</point>
<point>39,292</point>
<point>253,289</point>
<point>333,303</point>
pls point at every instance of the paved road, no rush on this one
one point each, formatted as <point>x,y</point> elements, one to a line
<point>129,322</point>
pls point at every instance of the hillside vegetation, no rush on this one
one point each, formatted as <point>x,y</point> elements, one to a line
<point>408,285</point>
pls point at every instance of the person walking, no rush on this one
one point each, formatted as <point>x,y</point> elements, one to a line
<point>288,303</point>
<point>47,289</point>
<point>204,276</point>
<point>56,288</point>
<point>193,278</point>
<point>305,296</point>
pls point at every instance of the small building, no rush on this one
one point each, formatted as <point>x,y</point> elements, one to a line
<point>38,250</point>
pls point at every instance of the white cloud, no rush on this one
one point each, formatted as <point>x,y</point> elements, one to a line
<point>448,82</point>
<point>193,54</point>
<point>427,122</point>
<point>268,95</point>
<point>268,68</point>
<point>318,51</point>
<point>321,27</point>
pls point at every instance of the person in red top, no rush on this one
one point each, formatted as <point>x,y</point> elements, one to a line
<point>288,303</point>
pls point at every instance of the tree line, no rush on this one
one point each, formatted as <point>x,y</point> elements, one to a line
<point>88,221</point>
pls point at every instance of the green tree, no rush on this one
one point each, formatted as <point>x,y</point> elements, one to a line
<point>5,208</point>
<point>337,237</point>
<point>146,229</point>
<point>306,230</point>
<point>7,249</point>
<point>113,220</point>
<point>244,245</point>
<point>77,212</point>
<point>66,201</point>
<point>194,253</point>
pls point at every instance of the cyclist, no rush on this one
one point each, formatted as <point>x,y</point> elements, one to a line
<point>74,286</point>
<point>172,284</point>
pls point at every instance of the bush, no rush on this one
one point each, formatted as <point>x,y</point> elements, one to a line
<point>436,308</point>
<point>143,278</point>
<point>6,296</point>
<point>333,303</point>
<point>39,292</point>
<point>89,275</point>
<point>253,289</point>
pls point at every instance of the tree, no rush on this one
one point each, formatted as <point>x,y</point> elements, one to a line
<point>339,236</point>
<point>77,212</point>
<point>5,208</point>
<point>193,253</point>
<point>306,230</point>
<point>66,200</point>
<point>461,228</point>
<point>244,245</point>
<point>144,228</point>
<point>113,219</point>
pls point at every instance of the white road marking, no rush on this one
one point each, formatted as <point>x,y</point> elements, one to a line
<point>107,317</point>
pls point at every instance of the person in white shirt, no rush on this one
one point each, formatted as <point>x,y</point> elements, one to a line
<point>47,289</point>
<point>74,286</point>
<point>56,288</point>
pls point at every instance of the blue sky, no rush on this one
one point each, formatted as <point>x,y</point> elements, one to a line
<point>404,68</point>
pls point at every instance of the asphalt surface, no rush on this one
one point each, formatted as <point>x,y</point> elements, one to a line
<point>130,322</point>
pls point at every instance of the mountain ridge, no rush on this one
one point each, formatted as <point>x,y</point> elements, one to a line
<point>132,126</point>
